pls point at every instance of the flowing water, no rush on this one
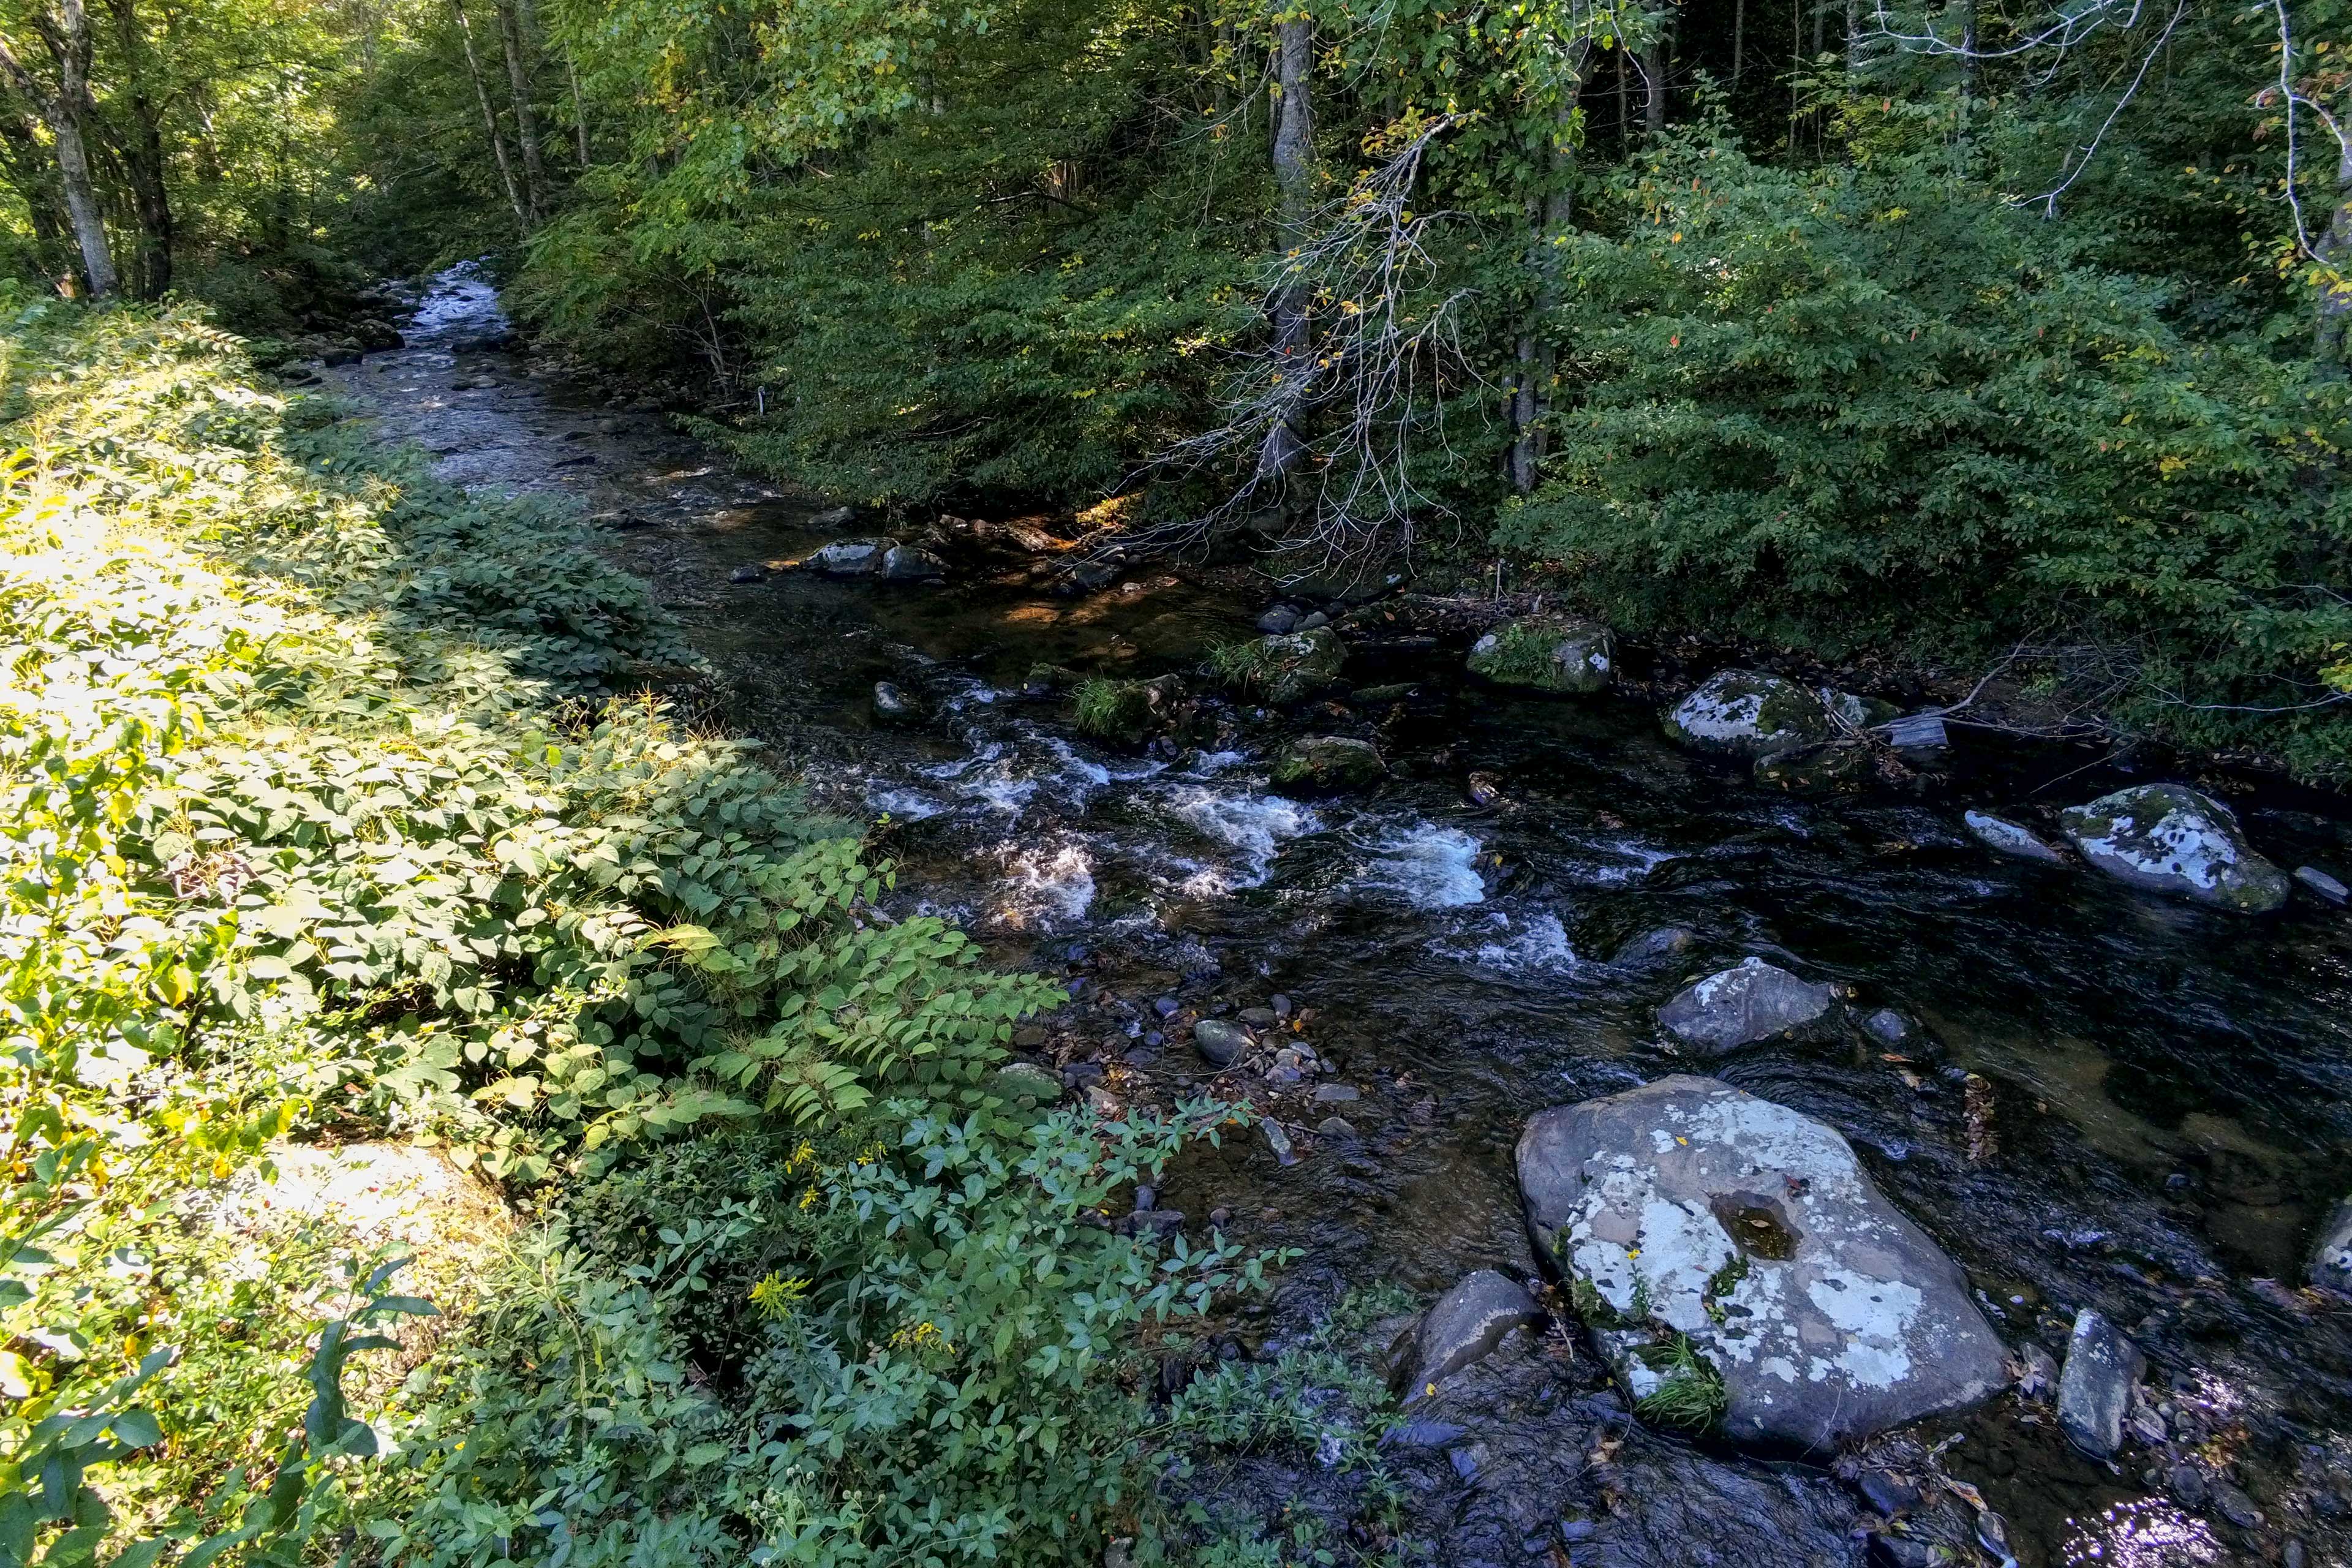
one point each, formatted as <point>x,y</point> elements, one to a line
<point>2163,1110</point>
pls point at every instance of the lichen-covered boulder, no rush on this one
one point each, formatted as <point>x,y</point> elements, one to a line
<point>1738,1007</point>
<point>1326,764</point>
<point>2168,838</point>
<point>849,557</point>
<point>1297,666</point>
<point>1744,714</point>
<point>1547,653</point>
<point>911,564</point>
<point>1711,1238</point>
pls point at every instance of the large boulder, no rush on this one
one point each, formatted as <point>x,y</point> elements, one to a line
<point>1732,1258</point>
<point>2168,838</point>
<point>1738,1007</point>
<point>1327,764</point>
<point>1465,1326</point>
<point>2331,1260</point>
<point>1745,714</point>
<point>1547,653</point>
<point>850,557</point>
<point>911,564</point>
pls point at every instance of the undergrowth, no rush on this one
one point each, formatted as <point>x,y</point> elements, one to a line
<point>329,816</point>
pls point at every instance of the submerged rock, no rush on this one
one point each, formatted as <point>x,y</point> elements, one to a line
<point>1547,653</point>
<point>747,573</point>
<point>1278,620</point>
<point>849,557</point>
<point>892,706</point>
<point>835,517</point>
<point>2321,883</point>
<point>1840,766</point>
<point>2095,1390</point>
<point>2168,838</point>
<point>1744,1242</point>
<point>1738,1007</point>
<point>1745,714</point>
<point>1465,1326</point>
<point>1324,763</point>
<point>2331,1260</point>
<point>2012,839</point>
<point>1651,946</point>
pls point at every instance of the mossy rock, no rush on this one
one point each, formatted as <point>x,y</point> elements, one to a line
<point>1749,715</point>
<point>1024,1087</point>
<point>1547,653</point>
<point>1326,764</point>
<point>1127,711</point>
<point>1301,664</point>
<point>1837,769</point>
<point>2168,838</point>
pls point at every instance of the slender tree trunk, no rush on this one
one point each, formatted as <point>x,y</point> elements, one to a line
<point>32,172</point>
<point>534,168</point>
<point>489,116</point>
<point>1294,173</point>
<point>579,107</point>
<point>1655,61</point>
<point>1531,400</point>
<point>1968,52</point>
<point>1739,39</point>
<point>1624,100</point>
<point>141,150</point>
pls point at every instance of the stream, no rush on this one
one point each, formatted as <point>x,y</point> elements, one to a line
<point>2162,1111</point>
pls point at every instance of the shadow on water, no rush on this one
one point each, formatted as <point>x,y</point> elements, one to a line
<point>2163,1110</point>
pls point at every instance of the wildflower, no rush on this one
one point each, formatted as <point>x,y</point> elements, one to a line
<point>777,1296</point>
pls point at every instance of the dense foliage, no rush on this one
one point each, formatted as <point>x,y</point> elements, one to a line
<point>320,821</point>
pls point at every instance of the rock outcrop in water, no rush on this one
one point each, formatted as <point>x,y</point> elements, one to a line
<point>1745,714</point>
<point>1738,1007</point>
<point>1324,765</point>
<point>2331,1260</point>
<point>2009,837</point>
<point>1465,1326</point>
<point>1547,653</point>
<point>2168,838</point>
<point>2095,1390</point>
<point>1733,1260</point>
<point>1296,666</point>
<point>849,557</point>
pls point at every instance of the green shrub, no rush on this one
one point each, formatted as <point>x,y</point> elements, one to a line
<point>1879,408</point>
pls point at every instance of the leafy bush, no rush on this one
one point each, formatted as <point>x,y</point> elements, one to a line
<point>1876,406</point>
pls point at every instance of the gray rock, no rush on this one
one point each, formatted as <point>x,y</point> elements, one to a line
<point>850,557</point>
<point>1887,1026</point>
<point>2320,882</point>
<point>2037,1370</point>
<point>1278,620</point>
<point>1745,714</point>
<point>835,517</point>
<point>1738,1007</point>
<point>2235,1506</point>
<point>1219,1041</point>
<point>2012,838</point>
<point>1336,1127</point>
<point>2168,838</point>
<point>2331,1260</point>
<point>1294,667</point>
<point>1688,1208</point>
<point>2095,1390</point>
<point>1859,712</point>
<point>911,564</point>
<point>1666,942</point>
<point>1280,1142</point>
<point>1336,1094</point>
<point>1025,1085</point>
<point>891,705</point>
<point>1257,1017</point>
<point>1547,653</point>
<point>1465,1326</point>
<point>747,573</point>
<point>2187,1485</point>
<point>1326,764</point>
<point>1313,619</point>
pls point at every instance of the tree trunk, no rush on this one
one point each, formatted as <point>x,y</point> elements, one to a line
<point>28,168</point>
<point>2333,343</point>
<point>67,36</point>
<point>489,116</point>
<point>1531,400</point>
<point>534,169</point>
<point>1739,38</point>
<point>1655,61</point>
<point>141,150</point>
<point>1294,173</point>
<point>579,107</point>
